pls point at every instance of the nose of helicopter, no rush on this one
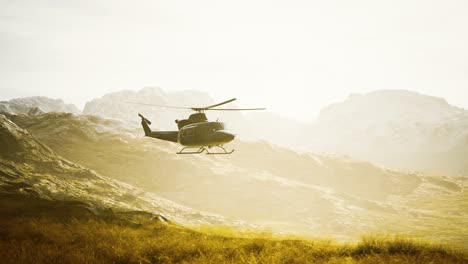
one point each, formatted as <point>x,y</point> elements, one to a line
<point>224,136</point>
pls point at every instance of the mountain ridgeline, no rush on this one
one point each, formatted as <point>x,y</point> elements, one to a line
<point>393,128</point>
<point>36,104</point>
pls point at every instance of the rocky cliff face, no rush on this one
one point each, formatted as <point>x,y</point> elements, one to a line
<point>398,129</point>
<point>36,104</point>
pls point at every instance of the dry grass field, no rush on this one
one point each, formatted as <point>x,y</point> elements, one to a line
<point>51,240</point>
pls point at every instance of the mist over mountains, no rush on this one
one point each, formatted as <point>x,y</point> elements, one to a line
<point>393,128</point>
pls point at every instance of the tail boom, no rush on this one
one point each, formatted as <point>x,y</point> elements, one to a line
<point>162,135</point>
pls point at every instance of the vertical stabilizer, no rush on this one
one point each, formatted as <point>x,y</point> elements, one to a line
<point>145,124</point>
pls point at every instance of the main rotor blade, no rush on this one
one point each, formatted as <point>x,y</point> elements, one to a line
<point>234,109</point>
<point>166,106</point>
<point>211,106</point>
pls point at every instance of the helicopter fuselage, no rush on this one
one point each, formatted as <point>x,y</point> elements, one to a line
<point>204,134</point>
<point>196,131</point>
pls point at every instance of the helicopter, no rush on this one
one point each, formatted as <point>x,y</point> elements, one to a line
<point>196,134</point>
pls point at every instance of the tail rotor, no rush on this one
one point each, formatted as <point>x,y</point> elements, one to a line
<point>143,119</point>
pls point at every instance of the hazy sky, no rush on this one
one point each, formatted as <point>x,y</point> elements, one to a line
<point>291,56</point>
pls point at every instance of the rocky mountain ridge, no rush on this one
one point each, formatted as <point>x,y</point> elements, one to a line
<point>27,167</point>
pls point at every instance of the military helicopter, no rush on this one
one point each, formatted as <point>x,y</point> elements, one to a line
<point>196,132</point>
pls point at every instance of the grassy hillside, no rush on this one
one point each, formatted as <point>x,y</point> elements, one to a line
<point>49,235</point>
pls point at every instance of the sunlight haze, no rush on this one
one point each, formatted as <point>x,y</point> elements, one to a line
<point>292,57</point>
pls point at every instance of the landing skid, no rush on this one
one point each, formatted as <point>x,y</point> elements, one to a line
<point>205,149</point>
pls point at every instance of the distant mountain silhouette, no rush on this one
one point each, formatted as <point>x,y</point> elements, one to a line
<point>398,129</point>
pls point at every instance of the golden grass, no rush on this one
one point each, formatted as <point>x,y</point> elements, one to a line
<point>48,240</point>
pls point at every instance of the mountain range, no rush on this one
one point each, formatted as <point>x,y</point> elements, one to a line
<point>393,128</point>
<point>337,191</point>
